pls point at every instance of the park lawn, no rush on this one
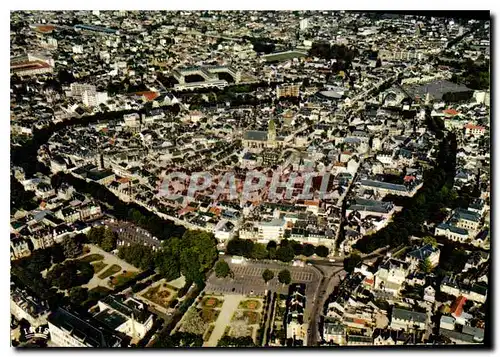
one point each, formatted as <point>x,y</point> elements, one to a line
<point>110,271</point>
<point>208,333</point>
<point>98,266</point>
<point>250,304</point>
<point>122,278</point>
<point>211,302</point>
<point>92,258</point>
<point>248,332</point>
<point>209,315</point>
<point>253,317</point>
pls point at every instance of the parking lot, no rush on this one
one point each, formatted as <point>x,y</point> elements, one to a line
<point>248,280</point>
<point>252,271</point>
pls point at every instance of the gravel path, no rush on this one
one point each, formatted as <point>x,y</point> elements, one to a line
<point>229,306</point>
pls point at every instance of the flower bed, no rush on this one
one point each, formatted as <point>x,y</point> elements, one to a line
<point>250,305</point>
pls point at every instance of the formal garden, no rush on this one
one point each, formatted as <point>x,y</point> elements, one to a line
<point>250,304</point>
<point>211,302</point>
<point>161,294</point>
<point>122,278</point>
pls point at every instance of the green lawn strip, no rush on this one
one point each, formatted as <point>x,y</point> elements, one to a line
<point>98,266</point>
<point>110,271</point>
<point>122,278</point>
<point>91,258</point>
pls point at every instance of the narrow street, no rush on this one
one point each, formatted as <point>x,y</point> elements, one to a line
<point>325,288</point>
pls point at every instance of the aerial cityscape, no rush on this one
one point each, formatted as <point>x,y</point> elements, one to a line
<point>257,179</point>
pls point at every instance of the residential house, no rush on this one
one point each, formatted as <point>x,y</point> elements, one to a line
<point>334,332</point>
<point>408,320</point>
<point>390,276</point>
<point>415,257</point>
<point>295,327</point>
<point>25,306</point>
<point>430,294</point>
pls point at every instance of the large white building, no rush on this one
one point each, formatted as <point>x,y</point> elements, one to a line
<point>451,232</point>
<point>271,230</point>
<point>304,23</point>
<point>128,316</point>
<point>390,276</point>
<point>93,99</point>
<point>68,329</point>
<point>77,89</point>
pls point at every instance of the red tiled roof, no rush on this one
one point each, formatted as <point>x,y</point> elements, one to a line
<point>472,126</point>
<point>450,111</point>
<point>123,180</point>
<point>28,65</point>
<point>215,210</point>
<point>457,306</point>
<point>311,203</point>
<point>148,95</point>
<point>45,28</point>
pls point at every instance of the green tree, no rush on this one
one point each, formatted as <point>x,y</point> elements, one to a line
<point>430,240</point>
<point>71,273</point>
<point>108,242</point>
<point>57,253</point>
<point>190,266</point>
<point>285,254</point>
<point>297,247</point>
<point>426,265</point>
<point>308,250</point>
<point>203,244</point>
<point>198,254</point>
<point>322,251</point>
<point>71,248</point>
<point>240,247</point>
<point>222,269</point>
<point>167,259</point>
<point>178,339</point>
<point>228,341</point>
<point>138,255</point>
<point>259,251</point>
<point>267,275</point>
<point>271,245</point>
<point>78,295</point>
<point>285,277</point>
<point>96,235</point>
<point>352,261</point>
